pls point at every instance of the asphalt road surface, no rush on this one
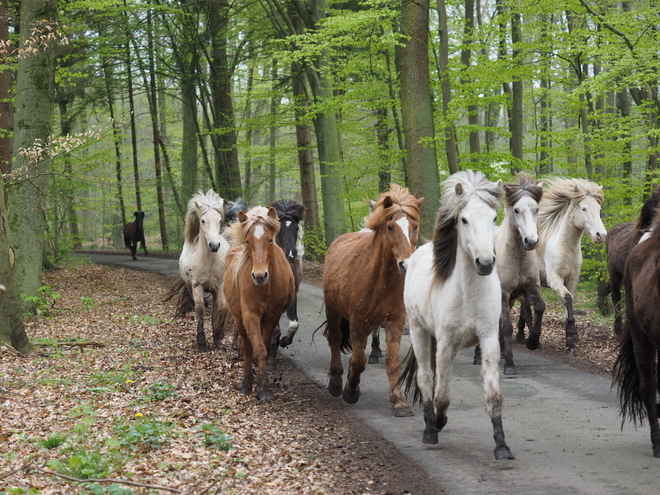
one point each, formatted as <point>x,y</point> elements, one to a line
<point>562,425</point>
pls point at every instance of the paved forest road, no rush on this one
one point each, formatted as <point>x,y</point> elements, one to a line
<point>561,424</point>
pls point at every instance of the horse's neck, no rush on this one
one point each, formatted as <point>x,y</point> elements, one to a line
<point>381,260</point>
<point>569,234</point>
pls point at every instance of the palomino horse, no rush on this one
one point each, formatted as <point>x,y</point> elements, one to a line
<point>452,297</point>
<point>636,368</point>
<point>134,234</point>
<point>258,287</point>
<point>620,240</point>
<point>363,288</point>
<point>569,208</point>
<point>290,239</point>
<point>517,263</point>
<point>202,261</point>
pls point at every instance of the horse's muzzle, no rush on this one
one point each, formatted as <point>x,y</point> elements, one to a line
<point>260,278</point>
<point>484,268</point>
<point>402,266</point>
<point>214,246</point>
<point>530,242</point>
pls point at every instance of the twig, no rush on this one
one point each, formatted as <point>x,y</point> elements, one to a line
<point>111,480</point>
<point>9,349</point>
<point>295,402</point>
<point>81,344</point>
<point>6,475</point>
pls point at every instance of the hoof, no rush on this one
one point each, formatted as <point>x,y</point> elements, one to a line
<point>378,353</point>
<point>440,423</point>
<point>245,390</point>
<point>265,395</point>
<point>477,361</point>
<point>285,342</point>
<point>520,338</point>
<point>510,370</point>
<point>271,366</point>
<point>202,347</point>
<point>351,398</point>
<point>532,344</point>
<point>334,389</point>
<point>430,436</point>
<point>573,350</point>
<point>656,452</point>
<point>373,359</point>
<point>403,412</point>
<point>503,453</point>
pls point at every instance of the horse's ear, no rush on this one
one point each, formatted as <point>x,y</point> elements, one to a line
<point>387,202</point>
<point>272,212</point>
<point>500,185</point>
<point>539,185</point>
<point>372,205</point>
<point>458,189</point>
<point>420,201</point>
<point>601,187</point>
<point>242,216</point>
<point>576,188</point>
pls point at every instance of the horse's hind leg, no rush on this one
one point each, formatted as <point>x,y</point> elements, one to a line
<point>260,339</point>
<point>274,344</point>
<point>334,336</point>
<point>477,355</point>
<point>506,334</point>
<point>615,289</point>
<point>246,351</point>
<point>524,318</point>
<point>357,363</point>
<point>198,297</point>
<point>219,316</point>
<point>375,346</point>
<point>645,358</point>
<point>133,249</point>
<point>490,347</point>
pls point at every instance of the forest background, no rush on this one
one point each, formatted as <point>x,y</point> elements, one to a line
<point>112,106</point>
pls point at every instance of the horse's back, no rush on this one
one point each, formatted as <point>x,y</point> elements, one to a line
<point>620,240</point>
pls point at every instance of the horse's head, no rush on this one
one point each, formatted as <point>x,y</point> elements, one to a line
<point>522,200</point>
<point>289,238</point>
<point>395,218</point>
<point>476,230</point>
<point>210,226</point>
<point>586,216</point>
<point>259,236</point>
<point>139,218</point>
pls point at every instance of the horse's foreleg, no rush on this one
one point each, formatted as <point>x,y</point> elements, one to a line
<point>506,336</point>
<point>260,339</point>
<point>274,344</point>
<point>292,315</point>
<point>491,356</point>
<point>198,297</point>
<point>357,363</point>
<point>375,346</point>
<point>144,245</point>
<point>645,359</point>
<point>525,318</point>
<point>535,299</point>
<point>444,364</point>
<point>393,332</point>
<point>615,289</point>
<point>566,296</point>
<point>333,334</point>
<point>133,249</point>
<point>219,317</point>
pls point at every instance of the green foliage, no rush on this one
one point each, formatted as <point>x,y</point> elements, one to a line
<point>142,432</point>
<point>214,437</point>
<point>113,489</point>
<point>82,463</point>
<point>158,391</point>
<point>53,441</point>
<point>315,246</point>
<point>87,301</point>
<point>42,303</point>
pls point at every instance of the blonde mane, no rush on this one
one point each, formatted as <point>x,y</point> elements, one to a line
<point>561,195</point>
<point>199,204</point>
<point>237,234</point>
<point>399,196</point>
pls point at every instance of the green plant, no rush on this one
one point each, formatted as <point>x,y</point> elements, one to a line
<point>87,301</point>
<point>315,246</point>
<point>42,303</point>
<point>113,489</point>
<point>158,391</point>
<point>83,463</point>
<point>53,441</point>
<point>142,432</point>
<point>214,437</point>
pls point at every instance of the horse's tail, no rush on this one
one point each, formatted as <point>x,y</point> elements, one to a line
<point>346,344</point>
<point>408,378</point>
<point>184,302</point>
<point>626,376</point>
<point>605,290</point>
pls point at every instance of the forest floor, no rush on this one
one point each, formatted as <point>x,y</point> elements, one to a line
<point>116,392</point>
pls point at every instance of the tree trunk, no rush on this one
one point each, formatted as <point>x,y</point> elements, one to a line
<point>33,119</point>
<point>272,138</point>
<point>6,103</point>
<point>131,103</point>
<point>417,110</point>
<point>445,85</point>
<point>516,123</point>
<point>189,168</point>
<point>466,55</point>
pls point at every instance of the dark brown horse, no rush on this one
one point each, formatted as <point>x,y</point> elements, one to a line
<point>636,369</point>
<point>258,286</point>
<point>620,240</point>
<point>134,234</point>
<point>363,288</point>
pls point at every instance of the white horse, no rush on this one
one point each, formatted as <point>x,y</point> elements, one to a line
<point>517,264</point>
<point>202,261</point>
<point>569,208</point>
<point>452,298</point>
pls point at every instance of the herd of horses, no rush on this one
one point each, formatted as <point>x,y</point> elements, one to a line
<point>452,292</point>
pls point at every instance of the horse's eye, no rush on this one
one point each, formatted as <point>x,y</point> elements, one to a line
<point>203,221</point>
<point>415,227</point>
<point>464,221</point>
<point>516,211</point>
<point>390,228</point>
<point>584,208</point>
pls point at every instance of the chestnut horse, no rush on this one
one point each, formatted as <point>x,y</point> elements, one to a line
<point>620,240</point>
<point>134,234</point>
<point>258,287</point>
<point>636,368</point>
<point>363,288</point>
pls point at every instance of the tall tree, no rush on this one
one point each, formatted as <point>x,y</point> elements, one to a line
<point>417,110</point>
<point>445,85</point>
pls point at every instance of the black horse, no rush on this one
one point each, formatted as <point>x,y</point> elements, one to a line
<point>636,367</point>
<point>289,239</point>
<point>134,233</point>
<point>232,208</point>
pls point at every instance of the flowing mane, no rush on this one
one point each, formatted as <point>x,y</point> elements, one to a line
<point>382,209</point>
<point>514,191</point>
<point>560,195</point>
<point>198,205</point>
<point>457,190</point>
<point>648,211</point>
<point>237,233</point>
<point>233,207</point>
